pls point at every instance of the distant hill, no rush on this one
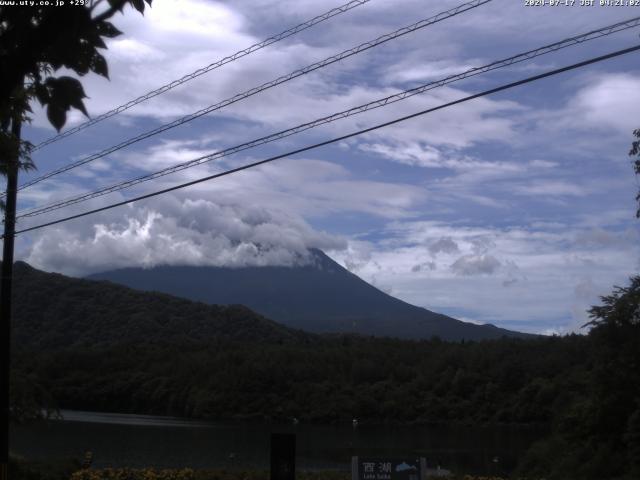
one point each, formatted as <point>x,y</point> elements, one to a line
<point>52,311</point>
<point>319,297</point>
<point>92,345</point>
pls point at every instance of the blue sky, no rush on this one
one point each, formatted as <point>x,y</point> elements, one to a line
<point>515,209</point>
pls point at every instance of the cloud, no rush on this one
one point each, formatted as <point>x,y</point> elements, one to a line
<point>608,102</point>
<point>444,244</point>
<point>304,186</point>
<point>155,49</point>
<point>598,237</point>
<point>537,277</point>
<point>317,188</point>
<point>476,265</point>
<point>551,188</point>
<point>594,119</point>
<point>357,256</point>
<point>415,155</point>
<point>585,289</point>
<point>252,218</point>
<point>181,232</point>
<point>408,71</point>
<point>424,266</point>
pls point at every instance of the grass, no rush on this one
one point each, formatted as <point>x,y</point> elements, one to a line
<point>20,469</point>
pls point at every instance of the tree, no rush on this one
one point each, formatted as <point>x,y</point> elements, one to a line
<point>38,41</point>
<point>620,309</point>
<point>35,43</point>
<point>635,152</point>
<point>599,435</point>
<point>613,411</point>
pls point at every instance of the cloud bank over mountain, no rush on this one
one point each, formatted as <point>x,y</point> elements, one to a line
<point>183,232</point>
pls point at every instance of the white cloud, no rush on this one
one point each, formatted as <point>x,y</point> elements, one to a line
<point>215,223</point>
<point>410,71</point>
<point>552,188</point>
<point>607,102</point>
<point>187,232</point>
<point>593,120</point>
<point>421,266</point>
<point>443,244</point>
<point>476,265</point>
<point>513,276</point>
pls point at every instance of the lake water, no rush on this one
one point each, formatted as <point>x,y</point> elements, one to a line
<point>139,441</point>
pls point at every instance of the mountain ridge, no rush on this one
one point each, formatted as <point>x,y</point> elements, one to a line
<point>52,311</point>
<point>320,297</point>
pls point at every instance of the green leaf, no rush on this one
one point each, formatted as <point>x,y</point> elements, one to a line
<point>81,60</point>
<point>66,88</point>
<point>65,92</point>
<point>78,104</point>
<point>138,5</point>
<point>106,29</point>
<point>97,41</point>
<point>57,115</point>
<point>119,4</point>
<point>42,93</point>
<point>99,65</point>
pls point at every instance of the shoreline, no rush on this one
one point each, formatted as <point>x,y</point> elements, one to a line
<point>144,419</point>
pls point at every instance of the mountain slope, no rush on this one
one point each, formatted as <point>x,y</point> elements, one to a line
<point>53,311</point>
<point>319,297</point>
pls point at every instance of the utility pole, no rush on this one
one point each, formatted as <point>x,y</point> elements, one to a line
<point>5,293</point>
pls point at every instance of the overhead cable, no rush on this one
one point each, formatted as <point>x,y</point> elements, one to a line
<point>201,71</point>
<point>337,139</point>
<point>594,34</point>
<point>265,86</point>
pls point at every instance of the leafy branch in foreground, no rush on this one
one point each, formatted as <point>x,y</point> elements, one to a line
<point>621,308</point>
<point>635,152</point>
<point>37,41</point>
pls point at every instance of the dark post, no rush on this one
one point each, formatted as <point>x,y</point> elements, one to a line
<point>5,298</point>
<point>283,456</point>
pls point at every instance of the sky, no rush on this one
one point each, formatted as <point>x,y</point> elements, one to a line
<point>515,209</point>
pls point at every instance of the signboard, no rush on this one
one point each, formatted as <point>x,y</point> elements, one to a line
<point>369,468</point>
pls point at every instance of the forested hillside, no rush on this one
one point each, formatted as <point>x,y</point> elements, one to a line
<point>320,296</point>
<point>333,380</point>
<point>96,346</point>
<point>53,311</point>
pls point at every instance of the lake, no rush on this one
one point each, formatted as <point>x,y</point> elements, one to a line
<point>119,440</point>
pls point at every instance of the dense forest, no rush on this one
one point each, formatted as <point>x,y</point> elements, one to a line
<point>329,380</point>
<point>597,435</point>
<point>167,356</point>
<point>97,345</point>
<point>552,382</point>
<point>52,311</point>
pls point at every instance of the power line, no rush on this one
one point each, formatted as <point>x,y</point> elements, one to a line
<point>338,139</point>
<point>594,34</point>
<point>239,54</point>
<point>265,86</point>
